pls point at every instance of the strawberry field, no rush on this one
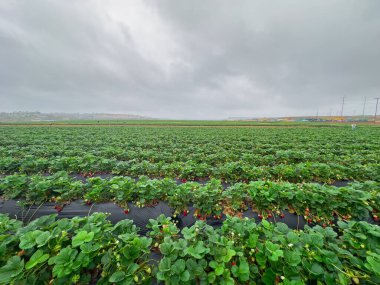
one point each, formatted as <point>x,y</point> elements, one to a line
<point>189,205</point>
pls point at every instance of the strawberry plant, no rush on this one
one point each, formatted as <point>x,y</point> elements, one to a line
<point>180,197</point>
<point>78,251</point>
<point>207,199</point>
<point>235,199</point>
<point>12,186</point>
<point>160,228</point>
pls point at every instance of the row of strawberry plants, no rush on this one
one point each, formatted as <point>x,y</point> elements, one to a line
<point>231,171</point>
<point>317,203</point>
<point>91,250</point>
<point>268,155</point>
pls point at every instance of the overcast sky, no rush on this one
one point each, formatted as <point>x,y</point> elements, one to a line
<point>190,59</point>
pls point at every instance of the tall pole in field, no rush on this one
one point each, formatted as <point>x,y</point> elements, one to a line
<point>365,100</point>
<point>377,102</point>
<point>341,111</point>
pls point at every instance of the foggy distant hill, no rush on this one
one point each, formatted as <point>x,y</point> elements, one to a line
<point>38,116</point>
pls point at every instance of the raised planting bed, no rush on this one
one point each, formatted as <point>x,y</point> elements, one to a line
<point>316,203</point>
<point>92,250</point>
<point>141,215</point>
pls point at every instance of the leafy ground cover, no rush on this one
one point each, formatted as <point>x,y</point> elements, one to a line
<point>91,249</point>
<point>224,174</point>
<point>292,154</point>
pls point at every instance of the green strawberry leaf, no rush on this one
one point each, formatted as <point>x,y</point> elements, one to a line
<point>11,269</point>
<point>82,237</point>
<point>36,258</point>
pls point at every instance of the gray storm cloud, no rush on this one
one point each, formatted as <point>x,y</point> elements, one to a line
<point>190,59</point>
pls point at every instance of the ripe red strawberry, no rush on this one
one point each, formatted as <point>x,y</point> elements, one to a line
<point>260,216</point>
<point>309,221</point>
<point>185,212</point>
<point>126,211</point>
<point>282,215</point>
<point>88,203</point>
<point>375,218</point>
<point>215,217</point>
<point>199,216</point>
<point>183,180</point>
<point>233,263</point>
<point>58,208</point>
<point>270,216</point>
